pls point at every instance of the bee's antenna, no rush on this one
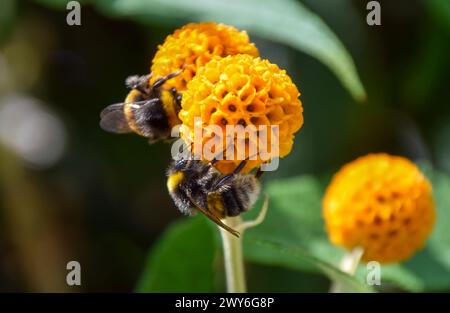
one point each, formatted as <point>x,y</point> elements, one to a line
<point>240,167</point>
<point>215,159</point>
<point>162,80</point>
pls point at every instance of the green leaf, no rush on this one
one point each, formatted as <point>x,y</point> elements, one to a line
<point>397,276</point>
<point>295,219</point>
<point>182,260</point>
<point>284,21</point>
<point>293,255</point>
<point>433,263</point>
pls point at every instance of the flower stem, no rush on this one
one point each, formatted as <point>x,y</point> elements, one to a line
<point>349,264</point>
<point>233,257</point>
<point>232,248</point>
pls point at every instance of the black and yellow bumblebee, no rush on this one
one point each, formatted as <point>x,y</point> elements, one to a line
<point>149,110</point>
<point>196,185</point>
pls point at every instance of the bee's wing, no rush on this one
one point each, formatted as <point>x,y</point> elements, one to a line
<point>112,119</point>
<point>214,218</point>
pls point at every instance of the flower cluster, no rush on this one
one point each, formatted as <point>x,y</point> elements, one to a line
<point>242,90</point>
<point>194,45</point>
<point>381,203</point>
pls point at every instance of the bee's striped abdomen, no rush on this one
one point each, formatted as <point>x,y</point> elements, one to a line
<point>232,202</point>
<point>146,119</point>
<point>129,109</point>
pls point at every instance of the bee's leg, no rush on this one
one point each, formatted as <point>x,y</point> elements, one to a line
<point>227,177</point>
<point>177,96</point>
<point>213,217</point>
<point>239,168</point>
<point>216,159</point>
<point>162,80</point>
<point>190,149</point>
<point>259,172</point>
<point>178,99</point>
<point>223,152</point>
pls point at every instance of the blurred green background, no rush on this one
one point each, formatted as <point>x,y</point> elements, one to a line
<point>70,191</point>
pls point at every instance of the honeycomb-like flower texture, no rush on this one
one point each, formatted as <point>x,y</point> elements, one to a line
<point>247,91</point>
<point>194,45</point>
<point>381,203</point>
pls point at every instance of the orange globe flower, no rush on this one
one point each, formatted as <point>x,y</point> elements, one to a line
<point>246,91</point>
<point>194,45</point>
<point>381,203</point>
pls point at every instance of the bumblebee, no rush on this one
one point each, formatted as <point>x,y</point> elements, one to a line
<point>197,185</point>
<point>149,110</point>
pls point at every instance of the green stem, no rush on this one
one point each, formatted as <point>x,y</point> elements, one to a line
<point>349,264</point>
<point>232,248</point>
<point>233,257</point>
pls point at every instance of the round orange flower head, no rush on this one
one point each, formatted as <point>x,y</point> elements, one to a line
<point>194,45</point>
<point>381,203</point>
<point>252,102</point>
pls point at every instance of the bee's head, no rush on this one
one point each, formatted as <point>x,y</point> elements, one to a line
<point>138,82</point>
<point>176,173</point>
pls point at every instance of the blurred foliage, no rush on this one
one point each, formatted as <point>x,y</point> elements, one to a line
<point>105,202</point>
<point>284,21</point>
<point>7,14</point>
<point>183,260</point>
<point>441,11</point>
